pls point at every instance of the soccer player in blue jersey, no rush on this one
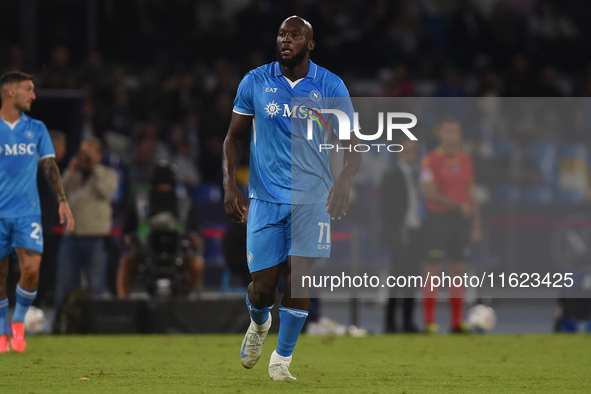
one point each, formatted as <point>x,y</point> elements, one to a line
<point>23,141</point>
<point>290,187</point>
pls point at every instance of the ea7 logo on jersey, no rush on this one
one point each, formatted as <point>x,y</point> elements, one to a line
<point>18,149</point>
<point>270,90</point>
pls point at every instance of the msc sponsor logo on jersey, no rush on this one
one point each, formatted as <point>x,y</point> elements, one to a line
<point>18,149</point>
<point>296,111</point>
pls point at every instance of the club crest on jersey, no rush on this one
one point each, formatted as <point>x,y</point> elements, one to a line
<point>315,96</point>
<point>272,108</point>
<point>29,134</point>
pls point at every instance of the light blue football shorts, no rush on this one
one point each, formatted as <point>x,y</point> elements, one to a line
<point>20,232</point>
<point>275,231</point>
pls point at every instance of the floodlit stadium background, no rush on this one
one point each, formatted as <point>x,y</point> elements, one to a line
<point>166,72</point>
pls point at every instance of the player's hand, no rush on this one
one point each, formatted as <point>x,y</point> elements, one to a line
<point>73,165</point>
<point>66,216</point>
<point>466,210</point>
<point>195,239</point>
<point>234,203</point>
<point>338,198</point>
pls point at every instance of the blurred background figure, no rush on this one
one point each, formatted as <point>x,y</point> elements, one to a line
<point>155,225</point>
<point>453,219</point>
<point>89,186</point>
<point>401,205</point>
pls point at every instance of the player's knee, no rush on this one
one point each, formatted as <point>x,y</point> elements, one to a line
<point>264,290</point>
<point>30,272</point>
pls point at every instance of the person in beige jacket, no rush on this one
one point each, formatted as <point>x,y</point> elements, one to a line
<point>89,186</point>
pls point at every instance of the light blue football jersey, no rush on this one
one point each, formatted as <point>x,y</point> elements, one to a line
<point>285,166</point>
<point>20,149</point>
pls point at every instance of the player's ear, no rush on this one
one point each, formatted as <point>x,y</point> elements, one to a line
<point>311,45</point>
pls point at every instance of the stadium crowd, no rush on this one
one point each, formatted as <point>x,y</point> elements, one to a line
<point>166,90</point>
<point>160,81</point>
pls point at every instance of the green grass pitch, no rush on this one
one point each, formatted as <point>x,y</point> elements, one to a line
<point>376,364</point>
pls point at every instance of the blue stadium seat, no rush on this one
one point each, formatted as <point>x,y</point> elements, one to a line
<point>539,195</point>
<point>575,150</point>
<point>213,237</point>
<point>544,155</point>
<point>507,194</point>
<point>208,192</point>
<point>503,148</point>
<point>571,196</point>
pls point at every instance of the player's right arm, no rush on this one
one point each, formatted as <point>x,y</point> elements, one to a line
<point>232,154</point>
<point>52,174</point>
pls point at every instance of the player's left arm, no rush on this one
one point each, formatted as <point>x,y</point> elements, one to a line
<point>52,174</point>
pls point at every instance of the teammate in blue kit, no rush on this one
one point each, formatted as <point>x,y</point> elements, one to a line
<point>290,186</point>
<point>23,141</point>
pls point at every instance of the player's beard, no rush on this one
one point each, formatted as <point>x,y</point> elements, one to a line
<point>25,107</point>
<point>296,59</point>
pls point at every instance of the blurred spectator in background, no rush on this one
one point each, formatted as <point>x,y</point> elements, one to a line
<point>118,116</point>
<point>16,59</point>
<point>519,81</point>
<point>213,137</point>
<point>59,73</point>
<point>183,157</point>
<point>453,219</point>
<point>89,186</point>
<point>401,204</point>
<point>95,76</point>
<point>142,165</point>
<point>154,210</point>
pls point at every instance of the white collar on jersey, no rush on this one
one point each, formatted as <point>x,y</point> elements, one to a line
<point>294,83</point>
<point>13,124</point>
<point>312,71</point>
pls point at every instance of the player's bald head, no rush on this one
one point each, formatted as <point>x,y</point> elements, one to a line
<point>302,23</point>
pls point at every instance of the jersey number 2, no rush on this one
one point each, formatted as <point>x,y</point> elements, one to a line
<point>36,230</point>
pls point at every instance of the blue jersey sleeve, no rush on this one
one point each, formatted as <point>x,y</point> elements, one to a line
<point>44,146</point>
<point>243,103</point>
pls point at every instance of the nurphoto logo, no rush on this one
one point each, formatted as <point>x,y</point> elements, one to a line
<point>346,128</point>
